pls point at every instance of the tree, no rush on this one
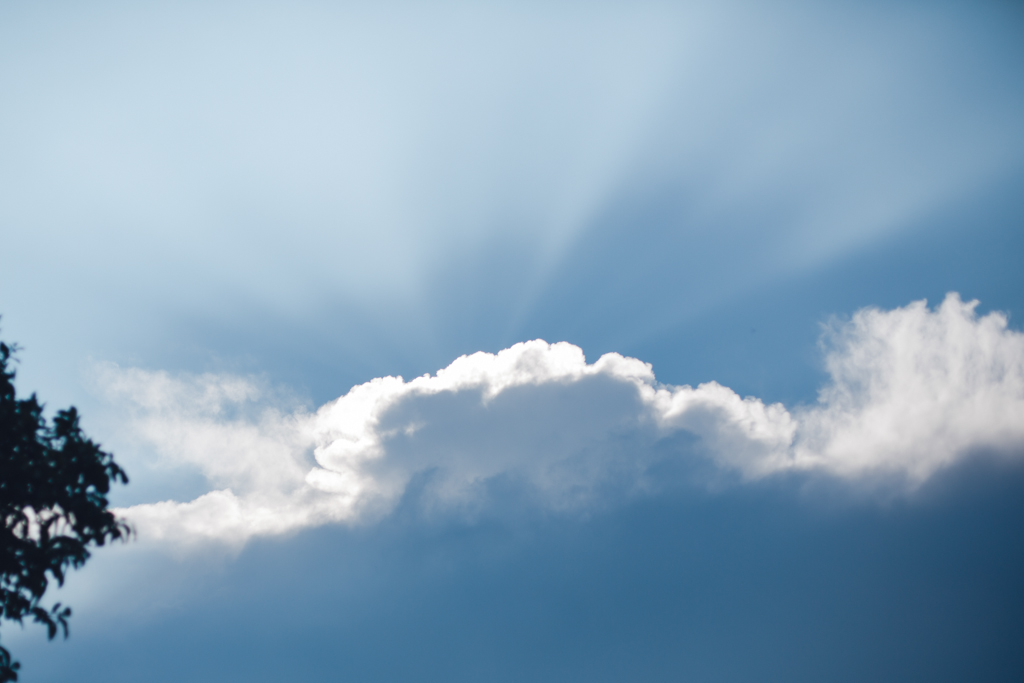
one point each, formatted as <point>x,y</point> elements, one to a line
<point>54,483</point>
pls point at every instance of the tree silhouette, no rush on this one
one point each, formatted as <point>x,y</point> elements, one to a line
<point>53,504</point>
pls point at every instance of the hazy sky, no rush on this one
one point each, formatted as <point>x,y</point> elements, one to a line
<point>294,263</point>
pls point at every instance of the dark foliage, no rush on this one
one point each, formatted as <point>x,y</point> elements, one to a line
<point>53,503</point>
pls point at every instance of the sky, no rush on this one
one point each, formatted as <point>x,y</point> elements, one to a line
<point>646,341</point>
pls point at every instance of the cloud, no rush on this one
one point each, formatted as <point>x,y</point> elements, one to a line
<point>914,390</point>
<point>911,391</point>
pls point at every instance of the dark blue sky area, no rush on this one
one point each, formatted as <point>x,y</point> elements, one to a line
<point>785,581</point>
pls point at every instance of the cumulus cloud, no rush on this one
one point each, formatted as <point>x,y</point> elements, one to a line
<point>911,391</point>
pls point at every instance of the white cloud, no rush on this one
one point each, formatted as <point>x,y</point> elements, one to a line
<point>912,391</point>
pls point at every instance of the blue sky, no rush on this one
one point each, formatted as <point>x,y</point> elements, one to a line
<point>219,218</point>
